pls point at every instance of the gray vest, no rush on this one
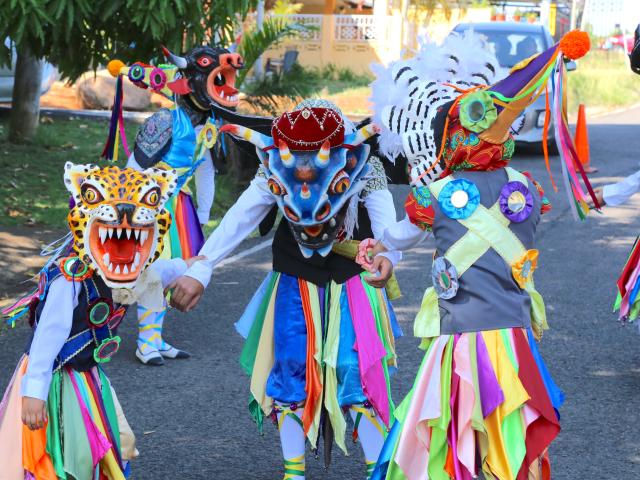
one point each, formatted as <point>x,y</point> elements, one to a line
<point>488,296</point>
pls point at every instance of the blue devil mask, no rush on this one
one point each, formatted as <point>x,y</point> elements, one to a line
<point>313,169</point>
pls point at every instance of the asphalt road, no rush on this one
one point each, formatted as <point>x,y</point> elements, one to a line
<point>191,416</point>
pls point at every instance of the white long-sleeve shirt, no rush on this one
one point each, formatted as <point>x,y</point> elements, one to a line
<point>204,176</point>
<point>56,320</point>
<point>402,235</point>
<point>618,193</point>
<point>253,205</point>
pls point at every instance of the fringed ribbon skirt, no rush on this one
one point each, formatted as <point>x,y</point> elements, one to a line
<point>481,402</point>
<point>82,438</point>
<point>185,237</point>
<point>328,347</point>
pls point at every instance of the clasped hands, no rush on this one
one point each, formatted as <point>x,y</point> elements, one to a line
<point>187,291</point>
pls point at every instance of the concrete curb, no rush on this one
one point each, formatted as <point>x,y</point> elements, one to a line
<point>604,113</point>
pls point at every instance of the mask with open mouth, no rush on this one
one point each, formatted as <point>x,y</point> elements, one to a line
<point>119,220</point>
<point>209,76</point>
<point>313,169</point>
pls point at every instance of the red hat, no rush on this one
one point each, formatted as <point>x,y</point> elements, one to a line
<point>308,128</point>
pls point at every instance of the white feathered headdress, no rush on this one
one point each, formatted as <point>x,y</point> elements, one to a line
<point>407,94</point>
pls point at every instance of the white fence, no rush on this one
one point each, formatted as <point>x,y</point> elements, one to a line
<point>359,28</point>
<point>346,28</point>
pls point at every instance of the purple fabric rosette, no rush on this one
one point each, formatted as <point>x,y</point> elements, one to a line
<point>516,202</point>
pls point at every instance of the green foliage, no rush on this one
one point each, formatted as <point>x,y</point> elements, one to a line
<point>603,80</point>
<point>299,83</point>
<point>31,186</point>
<point>286,7</point>
<point>267,93</point>
<point>255,42</point>
<point>428,7</point>
<point>77,35</point>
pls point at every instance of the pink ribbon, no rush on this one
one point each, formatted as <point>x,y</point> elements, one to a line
<point>371,351</point>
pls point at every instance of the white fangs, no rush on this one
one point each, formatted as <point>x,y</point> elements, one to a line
<point>106,233</point>
<point>139,235</point>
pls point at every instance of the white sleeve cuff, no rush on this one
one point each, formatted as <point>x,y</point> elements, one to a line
<point>35,388</point>
<point>170,270</point>
<point>203,216</point>
<point>200,271</point>
<point>403,235</point>
<point>393,256</point>
<point>613,196</point>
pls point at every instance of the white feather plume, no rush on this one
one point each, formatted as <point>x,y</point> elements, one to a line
<point>433,63</point>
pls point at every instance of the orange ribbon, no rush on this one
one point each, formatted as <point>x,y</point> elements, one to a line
<point>313,387</point>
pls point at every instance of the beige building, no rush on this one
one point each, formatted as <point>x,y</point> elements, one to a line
<point>346,36</point>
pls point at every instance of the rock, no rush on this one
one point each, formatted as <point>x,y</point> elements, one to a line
<point>96,92</point>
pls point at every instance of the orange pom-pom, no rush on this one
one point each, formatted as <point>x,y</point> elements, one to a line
<point>575,44</point>
<point>114,67</point>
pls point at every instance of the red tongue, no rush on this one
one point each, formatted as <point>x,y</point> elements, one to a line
<point>120,251</point>
<point>227,90</point>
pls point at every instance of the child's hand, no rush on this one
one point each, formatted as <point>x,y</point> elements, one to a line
<point>192,260</point>
<point>364,258</point>
<point>384,268</point>
<point>599,193</point>
<point>34,413</point>
<point>186,294</point>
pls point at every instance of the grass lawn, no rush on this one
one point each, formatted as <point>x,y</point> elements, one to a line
<point>603,80</point>
<point>31,187</point>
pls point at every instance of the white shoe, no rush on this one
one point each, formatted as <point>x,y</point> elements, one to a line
<point>172,352</point>
<point>151,357</point>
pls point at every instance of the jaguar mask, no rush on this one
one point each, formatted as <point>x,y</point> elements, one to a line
<point>118,221</point>
<point>313,170</point>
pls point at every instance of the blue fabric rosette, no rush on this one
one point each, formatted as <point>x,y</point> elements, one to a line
<point>459,198</point>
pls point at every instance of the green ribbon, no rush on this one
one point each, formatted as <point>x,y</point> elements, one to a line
<point>543,79</point>
<point>54,442</point>
<point>250,348</point>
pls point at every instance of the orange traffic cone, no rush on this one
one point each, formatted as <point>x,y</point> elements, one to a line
<point>581,141</point>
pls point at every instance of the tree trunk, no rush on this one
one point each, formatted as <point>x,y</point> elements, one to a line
<point>25,105</point>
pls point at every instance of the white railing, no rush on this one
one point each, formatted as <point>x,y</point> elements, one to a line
<point>313,21</point>
<point>313,34</point>
<point>358,28</point>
